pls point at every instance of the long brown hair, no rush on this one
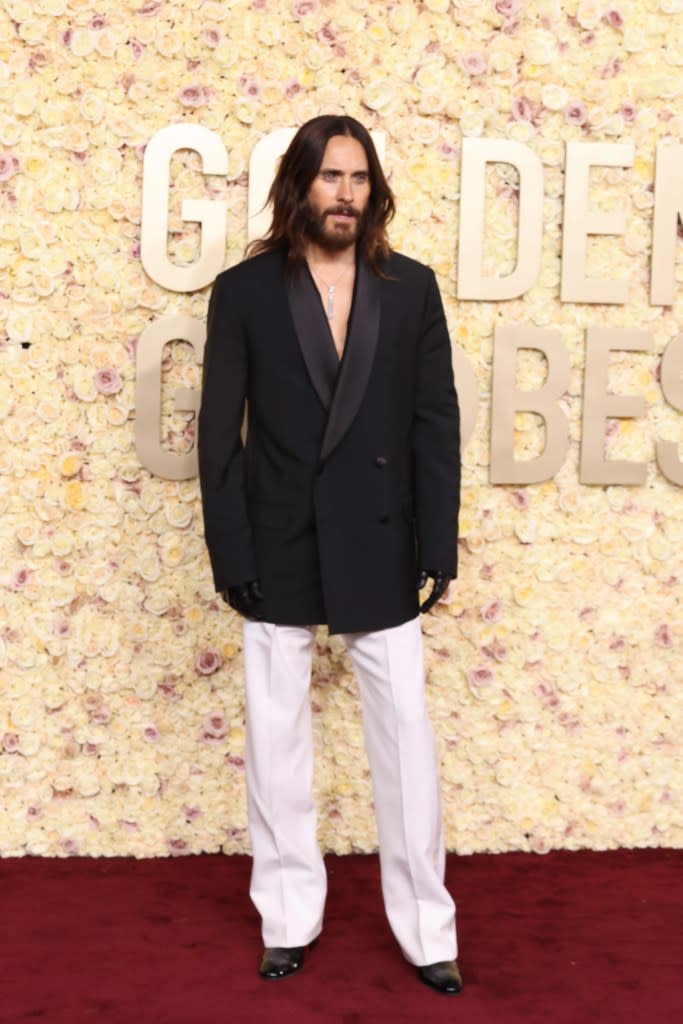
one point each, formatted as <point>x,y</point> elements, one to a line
<point>289,192</point>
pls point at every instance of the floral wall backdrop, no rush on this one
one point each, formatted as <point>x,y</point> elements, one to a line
<point>554,662</point>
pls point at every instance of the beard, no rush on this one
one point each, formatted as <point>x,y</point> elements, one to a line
<point>331,237</point>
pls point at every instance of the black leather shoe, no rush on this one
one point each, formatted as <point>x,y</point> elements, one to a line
<point>279,961</point>
<point>444,976</point>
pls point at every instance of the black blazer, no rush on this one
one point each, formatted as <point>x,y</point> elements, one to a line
<point>349,479</point>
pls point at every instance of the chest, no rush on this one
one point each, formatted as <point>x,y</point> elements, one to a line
<point>337,300</point>
<point>294,347</point>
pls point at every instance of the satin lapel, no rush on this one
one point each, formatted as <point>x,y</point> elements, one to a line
<point>354,373</point>
<point>314,335</point>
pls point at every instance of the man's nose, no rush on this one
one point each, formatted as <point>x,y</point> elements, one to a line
<point>344,188</point>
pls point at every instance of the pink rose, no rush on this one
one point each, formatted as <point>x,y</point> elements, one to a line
<point>19,579</point>
<point>215,724</point>
<point>108,382</point>
<point>100,716</point>
<point>38,59</point>
<point>250,86</point>
<point>177,847</point>
<point>507,8</point>
<point>195,96</point>
<point>448,151</point>
<point>127,81</point>
<point>521,109</point>
<point>473,63</point>
<point>492,611</point>
<point>480,677</point>
<point>547,694</point>
<point>663,636</point>
<point>575,113</point>
<point>207,662</point>
<point>9,166</point>
<point>292,88</point>
<point>520,500</point>
<point>327,35</point>
<point>211,37</point>
<point>300,8</point>
<point>614,19</point>
<point>209,739</point>
<point>497,650</point>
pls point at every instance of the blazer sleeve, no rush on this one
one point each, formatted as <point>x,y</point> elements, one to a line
<point>436,442</point>
<point>220,449</point>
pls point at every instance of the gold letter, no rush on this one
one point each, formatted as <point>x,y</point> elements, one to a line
<point>671,379</point>
<point>506,400</point>
<point>210,213</point>
<point>668,212</point>
<point>148,395</point>
<point>600,405</point>
<point>476,153</point>
<point>579,221</point>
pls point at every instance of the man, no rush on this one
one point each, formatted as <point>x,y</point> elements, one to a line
<point>339,506</point>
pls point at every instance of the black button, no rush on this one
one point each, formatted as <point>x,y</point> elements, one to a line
<point>380,462</point>
<point>385,518</point>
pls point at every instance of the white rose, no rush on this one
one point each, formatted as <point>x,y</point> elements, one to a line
<point>87,784</point>
<point>149,566</point>
<point>62,543</point>
<point>29,744</point>
<point>179,514</point>
<point>52,7</point>
<point>82,42</point>
<point>24,103</point>
<point>539,47</point>
<point>378,94</point>
<point>157,603</point>
<point>554,97</point>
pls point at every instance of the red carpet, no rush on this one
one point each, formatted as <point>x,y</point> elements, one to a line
<point>569,938</point>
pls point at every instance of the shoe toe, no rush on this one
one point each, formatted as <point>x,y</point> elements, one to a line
<point>443,976</point>
<point>278,962</point>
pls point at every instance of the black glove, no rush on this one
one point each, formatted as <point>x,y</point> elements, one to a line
<point>245,599</point>
<point>441,581</point>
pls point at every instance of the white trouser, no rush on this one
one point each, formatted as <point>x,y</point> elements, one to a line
<point>289,884</point>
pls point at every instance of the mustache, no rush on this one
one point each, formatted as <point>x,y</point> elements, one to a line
<point>346,211</point>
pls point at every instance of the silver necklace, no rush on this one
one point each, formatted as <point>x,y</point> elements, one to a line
<point>330,288</point>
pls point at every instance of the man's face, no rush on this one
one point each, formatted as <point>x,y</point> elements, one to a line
<point>339,194</point>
